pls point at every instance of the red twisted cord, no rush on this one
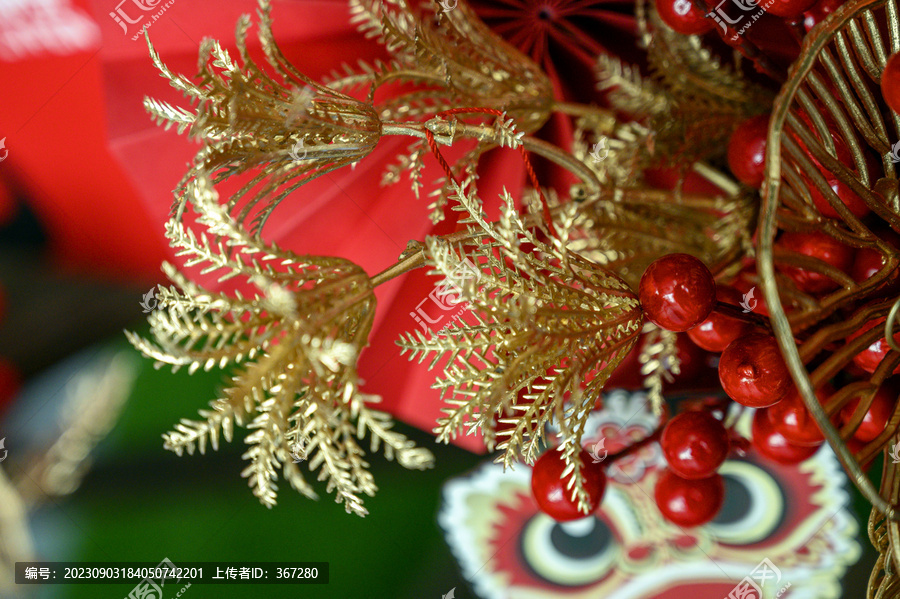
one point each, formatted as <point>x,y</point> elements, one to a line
<point>532,176</point>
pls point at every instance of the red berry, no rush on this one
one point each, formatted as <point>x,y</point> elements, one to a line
<point>717,331</point>
<point>876,418</point>
<point>773,445</point>
<point>851,200</point>
<point>549,488</point>
<point>788,9</point>
<point>747,150</point>
<point>677,292</point>
<point>689,502</point>
<point>866,263</point>
<point>890,82</point>
<point>695,444</point>
<point>684,17</point>
<point>819,11</point>
<point>792,419</point>
<point>752,371</point>
<point>869,358</point>
<point>815,245</point>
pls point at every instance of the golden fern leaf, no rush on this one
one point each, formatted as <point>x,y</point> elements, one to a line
<point>461,60</point>
<point>293,128</point>
<point>708,98</point>
<point>628,90</point>
<point>545,322</point>
<point>294,347</point>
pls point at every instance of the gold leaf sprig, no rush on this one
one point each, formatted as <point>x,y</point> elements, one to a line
<point>293,347</point>
<point>707,97</point>
<point>295,128</point>
<point>460,60</point>
<point>547,329</point>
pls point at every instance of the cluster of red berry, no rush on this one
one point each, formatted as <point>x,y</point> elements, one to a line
<point>678,293</point>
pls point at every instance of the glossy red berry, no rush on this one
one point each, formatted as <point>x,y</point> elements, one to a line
<point>684,17</point>
<point>686,502</point>
<point>717,331</point>
<point>747,150</point>
<point>752,371</point>
<point>890,82</point>
<point>851,200</point>
<point>876,418</point>
<point>792,419</point>
<point>695,444</point>
<point>549,487</point>
<point>869,358</point>
<point>822,247</point>
<point>677,292</point>
<point>866,263</point>
<point>773,445</point>
<point>817,13</point>
<point>789,9</point>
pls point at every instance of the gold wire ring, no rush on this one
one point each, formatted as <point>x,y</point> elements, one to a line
<point>889,326</point>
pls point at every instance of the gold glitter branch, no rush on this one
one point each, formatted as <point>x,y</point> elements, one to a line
<point>294,347</point>
<point>547,325</point>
